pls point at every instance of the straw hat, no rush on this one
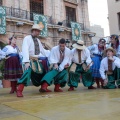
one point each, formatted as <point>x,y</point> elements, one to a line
<point>36,27</point>
<point>79,45</point>
<point>110,48</point>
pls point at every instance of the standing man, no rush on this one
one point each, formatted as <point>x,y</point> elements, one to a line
<point>110,69</point>
<point>82,62</point>
<point>31,49</point>
<point>60,60</point>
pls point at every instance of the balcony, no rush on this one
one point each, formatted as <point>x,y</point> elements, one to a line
<point>23,14</point>
<point>27,15</point>
<point>67,23</point>
<point>72,1</point>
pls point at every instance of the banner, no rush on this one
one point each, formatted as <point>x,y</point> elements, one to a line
<point>2,20</point>
<point>42,21</point>
<point>76,31</point>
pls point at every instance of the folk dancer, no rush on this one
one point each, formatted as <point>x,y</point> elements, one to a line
<point>110,69</point>
<point>96,51</point>
<point>13,67</point>
<point>59,60</point>
<point>82,62</point>
<point>31,49</point>
<point>115,44</point>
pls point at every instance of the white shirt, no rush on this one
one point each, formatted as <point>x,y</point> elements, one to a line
<point>85,56</point>
<point>47,53</point>
<point>8,50</point>
<point>55,57</point>
<point>28,48</point>
<point>104,66</point>
<point>94,49</point>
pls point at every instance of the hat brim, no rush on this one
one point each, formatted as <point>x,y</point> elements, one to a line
<point>114,52</point>
<point>79,47</point>
<point>36,29</point>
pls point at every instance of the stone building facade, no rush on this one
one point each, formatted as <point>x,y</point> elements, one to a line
<point>114,16</point>
<point>99,33</point>
<point>19,19</point>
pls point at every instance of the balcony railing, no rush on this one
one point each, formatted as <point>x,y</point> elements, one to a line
<point>72,1</point>
<point>23,14</point>
<point>27,15</point>
<point>67,23</point>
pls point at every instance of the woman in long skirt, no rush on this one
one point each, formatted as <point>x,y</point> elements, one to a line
<point>96,51</point>
<point>13,68</point>
<point>115,44</point>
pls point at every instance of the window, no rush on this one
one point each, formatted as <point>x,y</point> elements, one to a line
<point>0,2</point>
<point>70,15</point>
<point>36,6</point>
<point>72,1</point>
<point>118,20</point>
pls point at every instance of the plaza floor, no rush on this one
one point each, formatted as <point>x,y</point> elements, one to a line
<point>82,104</point>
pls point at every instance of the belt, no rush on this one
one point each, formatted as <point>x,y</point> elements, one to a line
<point>43,58</point>
<point>97,55</point>
<point>13,55</point>
<point>109,72</point>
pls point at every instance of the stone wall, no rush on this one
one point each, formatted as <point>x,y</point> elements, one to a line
<point>54,8</point>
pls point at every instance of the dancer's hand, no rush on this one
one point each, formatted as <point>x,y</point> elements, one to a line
<point>27,65</point>
<point>105,82</point>
<point>87,68</point>
<point>111,58</point>
<point>56,66</point>
<point>66,66</point>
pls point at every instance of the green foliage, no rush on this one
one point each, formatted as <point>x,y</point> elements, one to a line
<point>2,67</point>
<point>2,45</point>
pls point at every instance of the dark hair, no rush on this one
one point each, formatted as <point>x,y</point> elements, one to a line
<point>102,39</point>
<point>114,36</point>
<point>117,40</point>
<point>102,48</point>
<point>62,41</point>
<point>10,39</point>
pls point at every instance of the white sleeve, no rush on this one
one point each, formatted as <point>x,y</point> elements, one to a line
<point>42,50</point>
<point>92,47</point>
<point>65,61</point>
<point>52,57</point>
<point>25,50</point>
<point>102,70</point>
<point>88,60</point>
<point>118,51</point>
<point>20,54</point>
<point>47,52</point>
<point>71,57</point>
<point>3,53</point>
<point>117,62</point>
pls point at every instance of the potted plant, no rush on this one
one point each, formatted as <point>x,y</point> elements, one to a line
<point>5,83</point>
